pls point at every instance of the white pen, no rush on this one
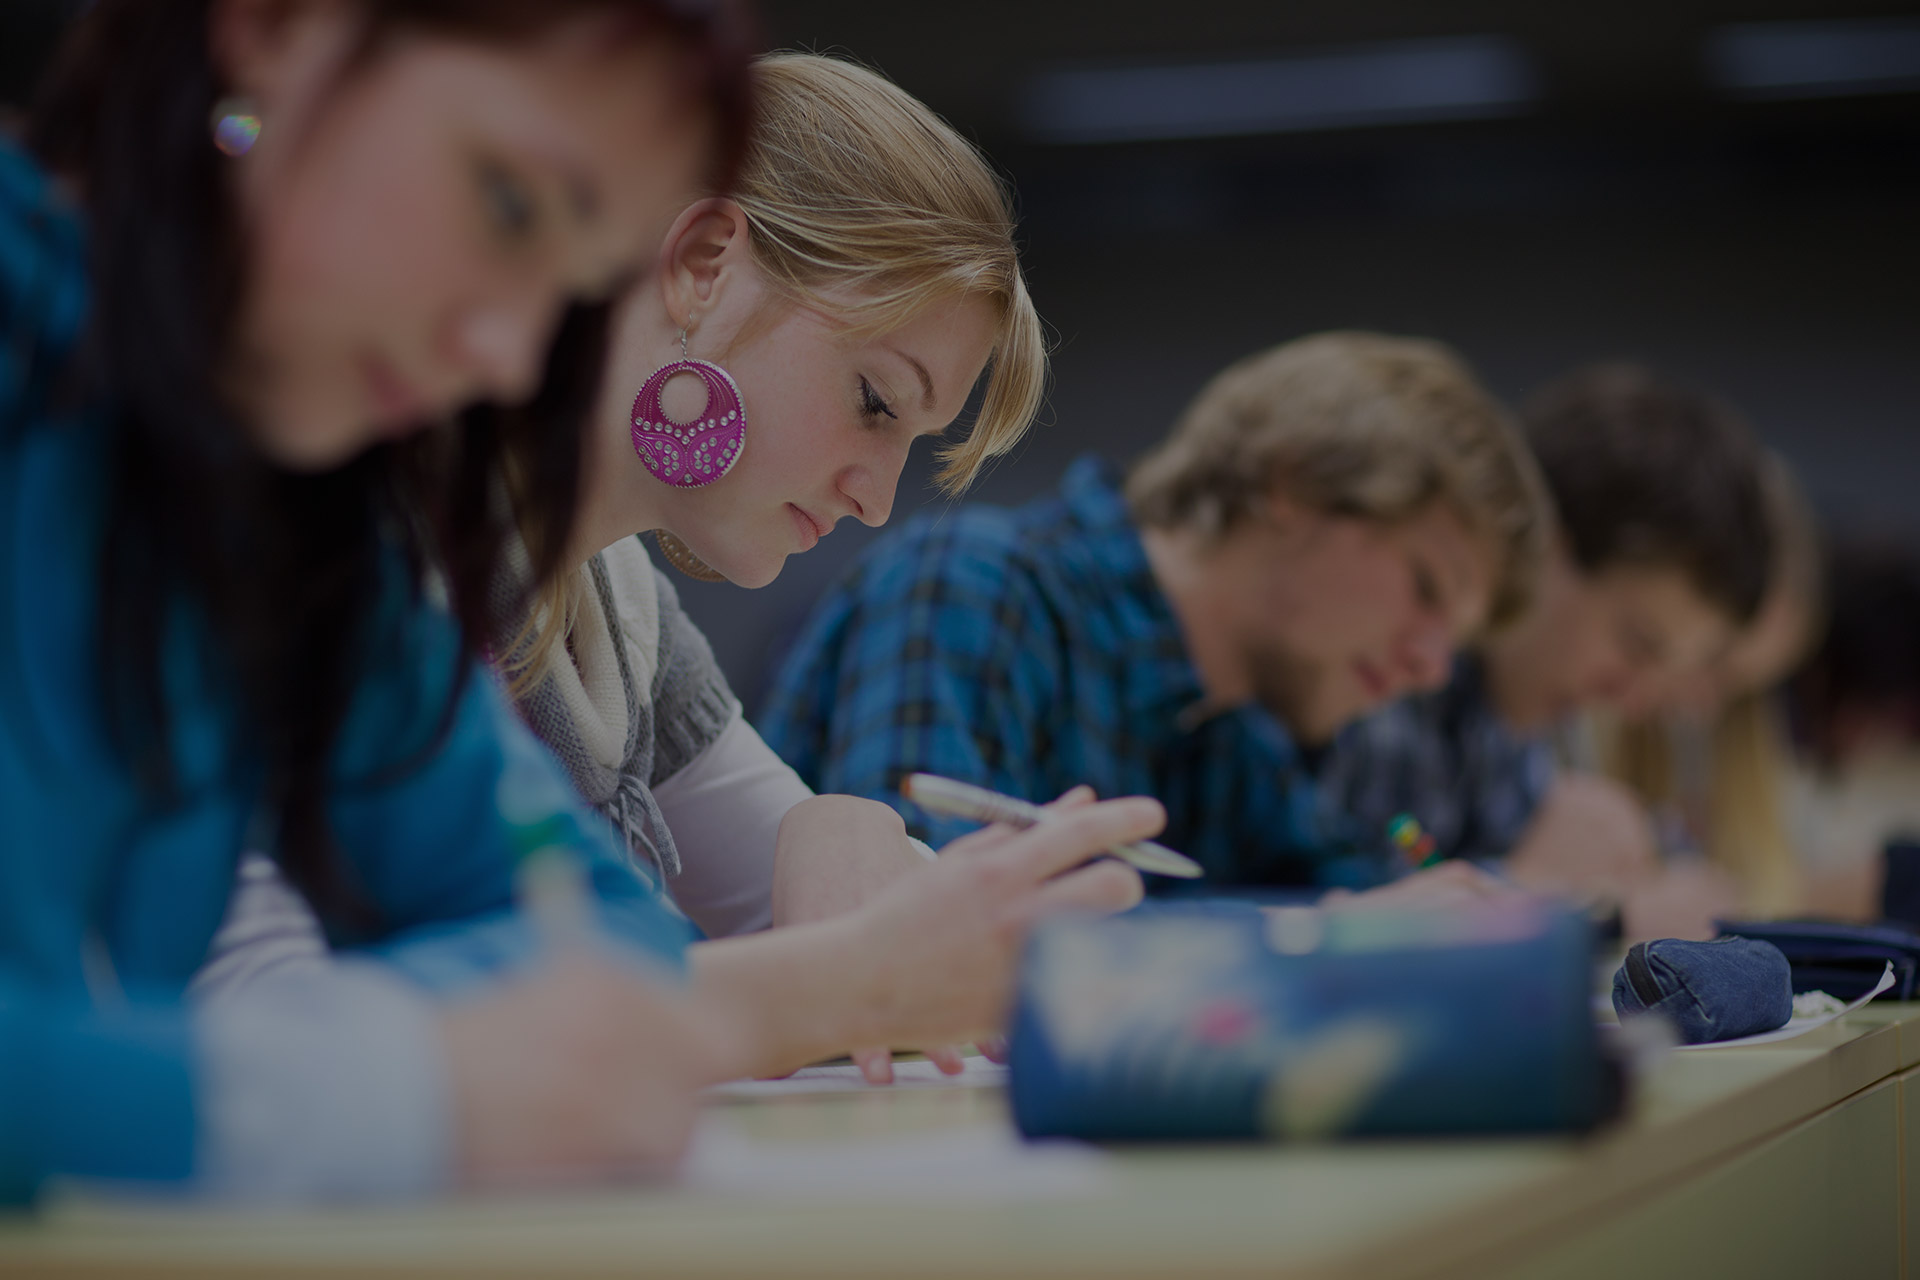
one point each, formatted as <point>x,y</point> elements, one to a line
<point>941,795</point>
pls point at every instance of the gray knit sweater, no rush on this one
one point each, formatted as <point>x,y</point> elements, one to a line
<point>641,698</point>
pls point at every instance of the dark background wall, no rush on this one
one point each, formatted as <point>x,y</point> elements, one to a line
<point>1628,205</point>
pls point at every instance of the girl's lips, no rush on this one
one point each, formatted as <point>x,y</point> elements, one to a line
<point>810,530</point>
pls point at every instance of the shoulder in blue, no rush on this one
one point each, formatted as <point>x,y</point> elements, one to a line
<point>100,875</point>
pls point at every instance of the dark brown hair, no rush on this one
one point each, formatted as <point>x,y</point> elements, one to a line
<point>1648,473</point>
<point>288,572</point>
<point>1869,661</point>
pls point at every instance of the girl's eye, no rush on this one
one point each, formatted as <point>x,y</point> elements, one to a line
<point>871,405</point>
<point>510,206</point>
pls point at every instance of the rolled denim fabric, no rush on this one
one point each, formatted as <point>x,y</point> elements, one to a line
<point>1719,990</point>
<point>1217,1020</point>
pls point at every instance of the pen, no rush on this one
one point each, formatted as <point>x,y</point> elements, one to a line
<point>941,795</point>
<point>549,880</point>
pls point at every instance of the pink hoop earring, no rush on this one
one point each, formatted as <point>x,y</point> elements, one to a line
<point>690,454</point>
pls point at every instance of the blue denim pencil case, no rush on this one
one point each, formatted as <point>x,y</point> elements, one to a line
<point>1220,1021</point>
<point>1719,990</point>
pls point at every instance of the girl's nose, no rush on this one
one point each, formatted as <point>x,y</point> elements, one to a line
<point>502,347</point>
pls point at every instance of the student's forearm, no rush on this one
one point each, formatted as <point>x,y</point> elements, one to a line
<point>797,994</point>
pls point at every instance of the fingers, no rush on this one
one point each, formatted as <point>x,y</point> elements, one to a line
<point>1458,881</point>
<point>1451,884</point>
<point>997,834</point>
<point>948,1059</point>
<point>1106,887</point>
<point>975,843</point>
<point>876,1065</point>
<point>993,1049</point>
<point>1086,831</point>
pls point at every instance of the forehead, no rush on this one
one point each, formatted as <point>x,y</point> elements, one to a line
<point>963,320</point>
<point>1465,559</point>
<point>612,122</point>
<point>955,329</point>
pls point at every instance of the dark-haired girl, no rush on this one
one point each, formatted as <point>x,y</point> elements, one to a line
<point>256,246</point>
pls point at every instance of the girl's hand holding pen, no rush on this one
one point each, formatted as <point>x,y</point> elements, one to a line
<point>945,943</point>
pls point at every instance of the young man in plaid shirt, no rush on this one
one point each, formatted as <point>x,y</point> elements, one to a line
<point>1661,553</point>
<point>1326,523</point>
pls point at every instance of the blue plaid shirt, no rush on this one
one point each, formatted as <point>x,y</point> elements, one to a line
<point>1446,759</point>
<point>1030,650</point>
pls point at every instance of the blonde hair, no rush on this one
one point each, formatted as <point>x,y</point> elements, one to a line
<point>863,204</point>
<point>1353,424</point>
<point>1744,808</point>
<point>867,205</point>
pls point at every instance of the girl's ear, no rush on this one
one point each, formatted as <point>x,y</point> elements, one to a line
<point>702,256</point>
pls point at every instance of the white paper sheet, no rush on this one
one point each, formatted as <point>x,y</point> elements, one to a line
<point>974,1163</point>
<point>1796,1026</point>
<point>846,1078</point>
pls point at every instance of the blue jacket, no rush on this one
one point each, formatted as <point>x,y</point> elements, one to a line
<point>95,877</point>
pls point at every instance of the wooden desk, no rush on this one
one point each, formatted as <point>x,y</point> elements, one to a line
<point>1790,1160</point>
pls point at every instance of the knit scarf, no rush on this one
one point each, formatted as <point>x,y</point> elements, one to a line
<point>595,712</point>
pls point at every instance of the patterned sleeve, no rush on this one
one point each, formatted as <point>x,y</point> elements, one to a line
<point>1510,776</point>
<point>1368,777</point>
<point>1447,760</point>
<point>937,654</point>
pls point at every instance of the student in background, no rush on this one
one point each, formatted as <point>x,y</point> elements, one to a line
<point>1326,522</point>
<point>1714,763</point>
<point>1856,714</point>
<point>864,244</point>
<point>1659,558</point>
